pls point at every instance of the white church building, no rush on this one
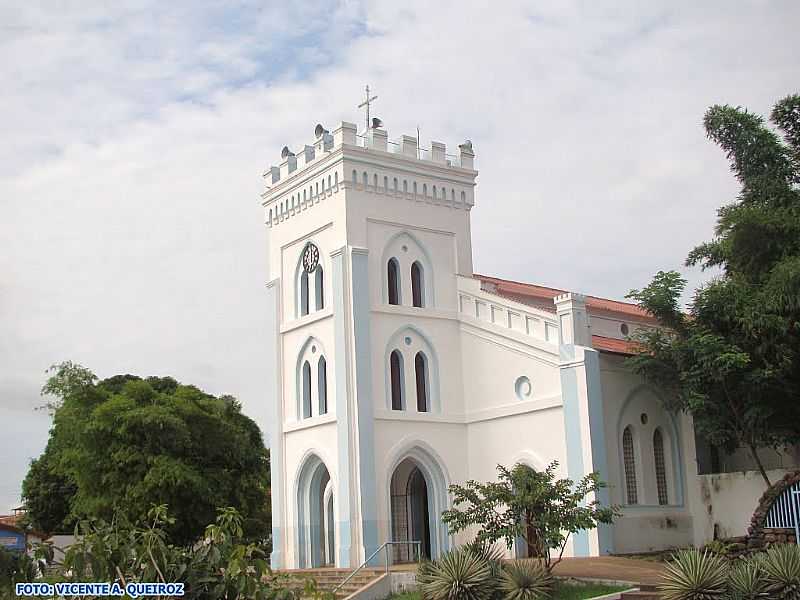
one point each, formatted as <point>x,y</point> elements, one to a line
<point>396,371</point>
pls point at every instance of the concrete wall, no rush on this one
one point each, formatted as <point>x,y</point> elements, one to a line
<point>725,502</point>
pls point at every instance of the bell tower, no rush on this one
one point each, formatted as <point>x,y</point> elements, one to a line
<point>366,239</point>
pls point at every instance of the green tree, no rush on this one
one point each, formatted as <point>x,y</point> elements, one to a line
<point>733,362</point>
<point>530,504</point>
<point>127,443</point>
<point>48,493</point>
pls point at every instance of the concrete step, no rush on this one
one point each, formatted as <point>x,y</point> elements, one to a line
<point>328,579</point>
<point>640,595</point>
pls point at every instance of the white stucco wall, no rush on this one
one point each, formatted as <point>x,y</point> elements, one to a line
<point>646,526</point>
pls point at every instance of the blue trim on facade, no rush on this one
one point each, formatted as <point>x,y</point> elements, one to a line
<point>597,432</point>
<point>275,430</point>
<point>572,431</point>
<point>366,434</point>
<point>343,487</point>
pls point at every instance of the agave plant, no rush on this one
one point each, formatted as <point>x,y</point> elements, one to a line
<point>424,572</point>
<point>493,555</point>
<point>781,562</point>
<point>458,575</point>
<point>526,580</point>
<point>748,580</point>
<point>693,575</point>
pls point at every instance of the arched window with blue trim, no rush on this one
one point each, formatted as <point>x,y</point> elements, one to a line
<point>396,368</point>
<point>421,376</point>
<point>322,385</point>
<point>417,284</point>
<point>306,390</point>
<point>393,281</point>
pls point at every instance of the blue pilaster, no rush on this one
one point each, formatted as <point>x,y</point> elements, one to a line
<point>344,490</point>
<point>582,371</point>
<point>275,426</point>
<point>364,400</point>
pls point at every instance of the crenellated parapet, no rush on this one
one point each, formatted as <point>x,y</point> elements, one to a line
<point>372,163</point>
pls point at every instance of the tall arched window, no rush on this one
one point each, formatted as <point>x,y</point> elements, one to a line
<point>417,285</point>
<point>393,280</point>
<point>355,176</point>
<point>319,289</point>
<point>322,385</point>
<point>303,293</point>
<point>306,390</point>
<point>364,178</point>
<point>421,374</point>
<point>630,466</point>
<point>661,471</point>
<point>396,366</point>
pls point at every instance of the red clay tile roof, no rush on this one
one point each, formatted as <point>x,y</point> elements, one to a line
<point>9,519</point>
<point>541,296</point>
<point>615,346</point>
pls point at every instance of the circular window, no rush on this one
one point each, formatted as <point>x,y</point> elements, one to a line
<point>624,328</point>
<point>408,341</point>
<point>523,387</point>
<point>404,248</point>
<point>643,418</point>
<point>313,349</point>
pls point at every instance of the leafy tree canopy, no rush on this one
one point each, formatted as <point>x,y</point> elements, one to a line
<point>733,361</point>
<point>530,504</point>
<point>124,444</point>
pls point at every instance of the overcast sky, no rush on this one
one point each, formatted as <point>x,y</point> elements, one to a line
<point>134,137</point>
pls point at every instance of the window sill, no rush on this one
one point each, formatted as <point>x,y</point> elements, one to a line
<point>309,422</point>
<point>307,320</point>
<point>412,311</point>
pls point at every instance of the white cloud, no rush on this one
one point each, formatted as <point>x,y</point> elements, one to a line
<point>134,143</point>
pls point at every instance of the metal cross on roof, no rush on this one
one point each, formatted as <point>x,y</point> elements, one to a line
<point>366,104</point>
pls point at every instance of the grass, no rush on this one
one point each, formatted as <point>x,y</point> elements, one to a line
<point>564,591</point>
<point>578,591</point>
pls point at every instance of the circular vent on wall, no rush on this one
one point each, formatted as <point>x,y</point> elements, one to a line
<point>523,387</point>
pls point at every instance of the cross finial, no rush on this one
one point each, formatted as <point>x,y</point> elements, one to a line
<point>366,104</point>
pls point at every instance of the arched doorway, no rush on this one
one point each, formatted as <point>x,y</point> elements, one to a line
<point>411,511</point>
<point>315,519</point>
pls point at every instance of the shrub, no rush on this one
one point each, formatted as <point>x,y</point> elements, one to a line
<point>692,575</point>
<point>718,547</point>
<point>526,580</point>
<point>458,575</point>
<point>782,566</point>
<point>748,580</point>
<point>223,565</point>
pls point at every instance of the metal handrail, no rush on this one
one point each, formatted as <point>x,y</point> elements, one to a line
<point>383,546</point>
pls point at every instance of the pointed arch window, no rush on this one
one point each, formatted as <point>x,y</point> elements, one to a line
<point>306,390</point>
<point>393,281</point>
<point>629,461</point>
<point>304,294</point>
<point>396,367</point>
<point>661,471</point>
<point>421,375</point>
<point>322,385</point>
<point>417,285</point>
<point>319,289</point>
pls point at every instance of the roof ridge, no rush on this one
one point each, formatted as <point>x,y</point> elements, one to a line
<point>596,302</point>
